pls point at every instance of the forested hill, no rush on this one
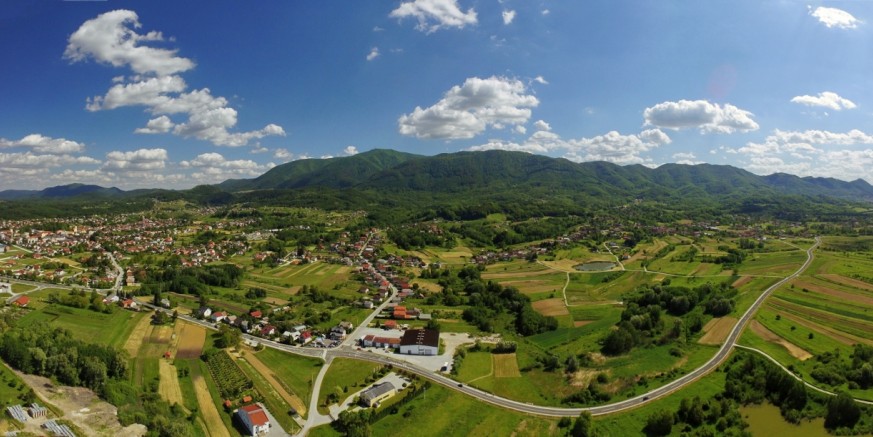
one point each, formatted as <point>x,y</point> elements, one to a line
<point>494,171</point>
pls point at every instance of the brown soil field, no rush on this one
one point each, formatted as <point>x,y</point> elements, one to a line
<point>169,383</point>
<point>580,323</point>
<point>531,286</point>
<point>190,340</point>
<point>741,281</point>
<point>294,290</point>
<point>771,337</point>
<point>134,341</point>
<point>841,295</point>
<point>551,307</point>
<point>505,366</point>
<point>82,407</point>
<point>839,279</point>
<point>214,426</point>
<point>276,301</point>
<point>716,330</point>
<point>277,385</point>
<point>509,275</point>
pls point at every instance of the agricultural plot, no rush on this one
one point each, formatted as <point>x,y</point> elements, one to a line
<point>190,340</point>
<point>716,330</point>
<point>231,381</point>
<point>769,336</point>
<point>551,307</point>
<point>601,287</point>
<point>169,388</point>
<point>505,366</point>
<point>295,373</point>
<point>536,284</point>
<point>91,326</point>
<point>773,264</point>
<point>215,426</point>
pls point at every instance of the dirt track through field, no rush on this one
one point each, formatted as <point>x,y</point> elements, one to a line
<point>551,307</point>
<point>214,426</point>
<point>134,341</point>
<point>716,330</point>
<point>505,366</point>
<point>840,295</point>
<point>293,400</point>
<point>772,337</point>
<point>169,384</point>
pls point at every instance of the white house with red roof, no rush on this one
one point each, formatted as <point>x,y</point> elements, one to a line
<point>254,418</point>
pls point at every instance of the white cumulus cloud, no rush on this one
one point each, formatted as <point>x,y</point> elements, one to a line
<point>833,17</point>
<point>433,15</point>
<point>825,99</point>
<point>374,53</point>
<point>43,144</point>
<point>467,110</point>
<point>136,160</point>
<point>350,150</point>
<point>508,17</point>
<point>708,117</point>
<point>160,125</point>
<point>110,38</point>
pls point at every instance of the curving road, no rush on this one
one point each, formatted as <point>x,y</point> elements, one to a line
<point>348,352</point>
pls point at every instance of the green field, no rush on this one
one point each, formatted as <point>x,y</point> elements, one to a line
<point>344,374</point>
<point>296,372</point>
<point>275,403</point>
<point>86,325</point>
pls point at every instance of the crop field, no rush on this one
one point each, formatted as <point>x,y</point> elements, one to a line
<point>768,335</point>
<point>515,269</point>
<point>551,307</point>
<point>215,426</point>
<point>716,330</point>
<point>602,287</point>
<point>109,329</point>
<point>773,264</point>
<point>275,397</point>
<point>169,387</point>
<point>136,337</point>
<point>505,366</point>
<point>539,284</point>
<point>190,339</point>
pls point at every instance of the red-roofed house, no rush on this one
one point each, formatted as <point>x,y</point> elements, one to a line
<point>390,324</point>
<point>256,314</point>
<point>22,301</point>
<point>254,419</point>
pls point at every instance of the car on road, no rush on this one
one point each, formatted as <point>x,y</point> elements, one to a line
<point>460,385</point>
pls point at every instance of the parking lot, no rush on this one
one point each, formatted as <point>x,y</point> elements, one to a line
<point>450,340</point>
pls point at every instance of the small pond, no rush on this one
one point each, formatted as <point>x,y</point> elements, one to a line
<point>765,419</point>
<point>596,266</point>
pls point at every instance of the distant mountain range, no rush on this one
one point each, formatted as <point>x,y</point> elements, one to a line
<point>61,191</point>
<point>381,174</point>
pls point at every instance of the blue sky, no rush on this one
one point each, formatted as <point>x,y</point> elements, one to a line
<point>174,94</point>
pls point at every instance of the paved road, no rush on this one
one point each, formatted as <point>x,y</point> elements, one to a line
<point>395,360</point>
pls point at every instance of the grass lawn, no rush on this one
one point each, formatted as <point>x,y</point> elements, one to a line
<point>476,365</point>
<point>21,288</point>
<point>344,373</point>
<point>12,388</point>
<point>296,372</point>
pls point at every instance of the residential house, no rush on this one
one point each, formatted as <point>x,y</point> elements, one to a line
<point>254,419</point>
<point>22,301</point>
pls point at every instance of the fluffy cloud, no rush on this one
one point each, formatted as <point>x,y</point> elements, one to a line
<point>826,99</point>
<point>508,16</point>
<point>350,150</point>
<point>374,53</point>
<point>812,153</point>
<point>467,110</point>
<point>612,146</point>
<point>708,117</point>
<point>686,158</point>
<point>110,38</point>
<point>160,125</point>
<point>29,160</point>
<point>140,160</point>
<point>43,144</point>
<point>542,125</point>
<point>283,154</point>
<point>435,14</point>
<point>541,80</point>
<point>833,17</point>
<point>213,167</point>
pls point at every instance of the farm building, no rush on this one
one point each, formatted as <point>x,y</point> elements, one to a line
<point>377,393</point>
<point>22,301</point>
<point>254,419</point>
<point>420,342</point>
